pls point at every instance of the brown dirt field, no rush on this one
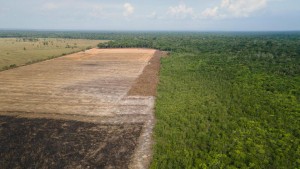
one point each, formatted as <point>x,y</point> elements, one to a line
<point>146,83</point>
<point>74,111</point>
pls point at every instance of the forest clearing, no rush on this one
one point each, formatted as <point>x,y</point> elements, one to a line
<point>75,111</point>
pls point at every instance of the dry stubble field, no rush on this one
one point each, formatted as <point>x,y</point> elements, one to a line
<point>85,110</point>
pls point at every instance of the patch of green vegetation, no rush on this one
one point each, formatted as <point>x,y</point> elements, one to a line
<point>220,113</point>
<point>226,100</point>
<point>22,51</point>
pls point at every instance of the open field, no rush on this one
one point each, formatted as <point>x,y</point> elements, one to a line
<point>76,109</point>
<point>20,51</point>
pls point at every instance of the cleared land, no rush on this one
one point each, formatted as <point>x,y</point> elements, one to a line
<point>76,109</point>
<point>20,51</point>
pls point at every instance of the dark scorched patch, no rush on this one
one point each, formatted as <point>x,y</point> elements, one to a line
<point>44,143</point>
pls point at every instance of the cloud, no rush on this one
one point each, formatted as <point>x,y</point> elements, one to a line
<point>128,9</point>
<point>210,12</point>
<point>242,8</point>
<point>181,11</point>
<point>234,8</point>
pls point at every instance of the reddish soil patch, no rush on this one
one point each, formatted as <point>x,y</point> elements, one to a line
<point>146,83</point>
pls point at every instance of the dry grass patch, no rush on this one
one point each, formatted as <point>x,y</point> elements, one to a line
<point>20,51</point>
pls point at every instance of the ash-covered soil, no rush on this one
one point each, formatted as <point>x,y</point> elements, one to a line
<point>46,143</point>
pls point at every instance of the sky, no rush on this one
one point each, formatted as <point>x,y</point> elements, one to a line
<point>151,15</point>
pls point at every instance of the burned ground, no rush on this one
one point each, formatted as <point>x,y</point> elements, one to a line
<point>45,143</point>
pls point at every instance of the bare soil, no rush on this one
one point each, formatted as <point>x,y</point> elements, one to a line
<point>76,111</point>
<point>146,83</point>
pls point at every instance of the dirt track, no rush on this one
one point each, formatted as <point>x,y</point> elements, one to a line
<point>74,111</point>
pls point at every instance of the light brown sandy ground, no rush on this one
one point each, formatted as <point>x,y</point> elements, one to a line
<point>89,86</point>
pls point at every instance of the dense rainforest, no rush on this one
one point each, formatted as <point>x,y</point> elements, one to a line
<point>225,99</point>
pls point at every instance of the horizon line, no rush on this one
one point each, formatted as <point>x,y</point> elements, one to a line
<point>114,30</point>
